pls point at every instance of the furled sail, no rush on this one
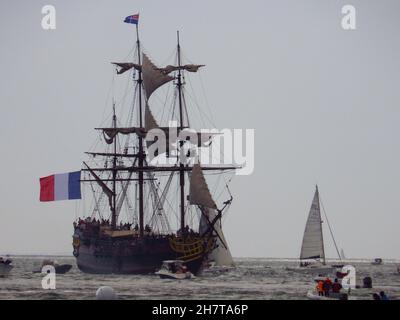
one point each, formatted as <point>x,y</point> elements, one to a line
<point>221,255</point>
<point>188,67</point>
<point>199,194</point>
<point>125,66</point>
<point>313,243</point>
<point>153,78</point>
<point>110,133</point>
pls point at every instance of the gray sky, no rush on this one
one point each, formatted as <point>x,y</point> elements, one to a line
<point>323,102</point>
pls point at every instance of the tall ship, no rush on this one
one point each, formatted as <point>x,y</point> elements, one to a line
<point>136,198</point>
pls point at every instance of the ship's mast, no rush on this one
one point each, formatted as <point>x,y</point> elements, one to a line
<point>114,176</point>
<point>141,154</point>
<point>181,165</point>
<point>141,166</point>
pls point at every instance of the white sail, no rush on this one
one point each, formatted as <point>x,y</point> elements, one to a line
<point>153,78</point>
<point>221,255</point>
<point>199,193</point>
<point>313,243</point>
<point>342,255</point>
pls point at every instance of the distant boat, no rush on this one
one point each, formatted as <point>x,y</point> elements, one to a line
<point>312,255</point>
<point>377,262</point>
<point>5,266</point>
<point>59,268</point>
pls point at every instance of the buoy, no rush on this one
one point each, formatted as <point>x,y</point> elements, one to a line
<point>106,293</point>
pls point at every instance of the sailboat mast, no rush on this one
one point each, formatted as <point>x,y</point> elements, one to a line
<point>141,152</point>
<point>322,235</point>
<point>330,230</point>
<point>114,177</point>
<point>181,166</point>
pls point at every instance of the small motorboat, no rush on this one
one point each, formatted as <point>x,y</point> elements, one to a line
<point>377,262</point>
<point>174,269</point>
<point>60,268</point>
<point>5,266</point>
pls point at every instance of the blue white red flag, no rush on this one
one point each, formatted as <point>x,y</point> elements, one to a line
<point>62,186</point>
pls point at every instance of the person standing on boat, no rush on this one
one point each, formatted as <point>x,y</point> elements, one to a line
<point>320,288</point>
<point>376,296</point>
<point>383,295</point>
<point>327,286</point>
<point>336,287</point>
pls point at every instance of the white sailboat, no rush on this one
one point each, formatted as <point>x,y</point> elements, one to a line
<point>312,254</point>
<point>342,255</point>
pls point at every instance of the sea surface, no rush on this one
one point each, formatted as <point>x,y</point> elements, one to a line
<point>251,279</point>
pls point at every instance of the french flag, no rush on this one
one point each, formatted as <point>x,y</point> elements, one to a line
<point>62,186</point>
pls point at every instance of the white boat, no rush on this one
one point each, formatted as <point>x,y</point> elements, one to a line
<point>377,262</point>
<point>315,269</point>
<point>174,269</point>
<point>312,254</point>
<point>5,266</point>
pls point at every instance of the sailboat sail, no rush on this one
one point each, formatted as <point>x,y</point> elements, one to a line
<point>221,255</point>
<point>342,255</point>
<point>152,77</point>
<point>200,195</point>
<point>313,243</point>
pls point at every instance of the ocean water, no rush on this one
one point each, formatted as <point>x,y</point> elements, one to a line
<point>251,279</point>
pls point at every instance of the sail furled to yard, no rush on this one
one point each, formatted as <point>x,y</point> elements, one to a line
<point>220,255</point>
<point>153,78</point>
<point>188,67</point>
<point>313,244</point>
<point>122,67</point>
<point>109,134</point>
<point>199,194</point>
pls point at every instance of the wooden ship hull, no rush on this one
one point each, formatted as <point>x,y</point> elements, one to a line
<point>137,255</point>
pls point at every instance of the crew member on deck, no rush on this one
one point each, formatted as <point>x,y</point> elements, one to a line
<point>327,286</point>
<point>320,288</point>
<point>336,287</point>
